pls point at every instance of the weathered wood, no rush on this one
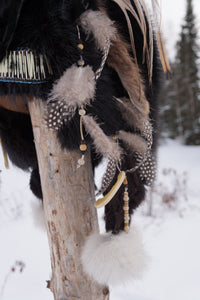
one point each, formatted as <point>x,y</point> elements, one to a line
<point>70,215</point>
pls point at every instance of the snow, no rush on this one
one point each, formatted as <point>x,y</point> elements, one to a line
<point>21,240</point>
<point>174,270</point>
<point>171,234</point>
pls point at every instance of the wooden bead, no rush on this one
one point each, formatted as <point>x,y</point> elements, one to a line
<point>81,162</point>
<point>126,206</point>
<point>80,46</point>
<point>82,112</point>
<point>126,209</point>
<point>126,229</point>
<point>81,63</point>
<point>83,147</point>
<point>125,181</point>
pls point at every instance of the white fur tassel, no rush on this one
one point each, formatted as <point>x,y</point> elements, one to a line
<point>114,259</point>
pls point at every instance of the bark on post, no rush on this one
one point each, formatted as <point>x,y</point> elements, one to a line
<point>70,215</point>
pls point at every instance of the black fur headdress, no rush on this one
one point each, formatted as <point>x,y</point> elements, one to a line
<point>96,65</point>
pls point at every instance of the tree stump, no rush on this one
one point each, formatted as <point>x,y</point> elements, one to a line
<point>68,195</point>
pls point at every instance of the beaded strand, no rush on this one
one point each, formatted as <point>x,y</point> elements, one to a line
<point>126,206</point>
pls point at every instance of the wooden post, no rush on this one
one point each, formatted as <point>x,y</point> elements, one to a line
<point>70,215</point>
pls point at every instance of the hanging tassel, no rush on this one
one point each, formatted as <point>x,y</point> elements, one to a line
<point>126,206</point>
<point>115,259</point>
<point>4,156</point>
<point>83,146</point>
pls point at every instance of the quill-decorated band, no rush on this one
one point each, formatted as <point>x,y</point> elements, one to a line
<point>97,65</point>
<point>25,66</point>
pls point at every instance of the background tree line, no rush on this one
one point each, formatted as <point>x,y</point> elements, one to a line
<point>180,97</point>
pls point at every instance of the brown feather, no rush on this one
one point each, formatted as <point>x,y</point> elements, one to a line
<point>120,60</point>
<point>142,17</point>
<point>131,115</point>
<point>104,145</point>
<point>133,141</point>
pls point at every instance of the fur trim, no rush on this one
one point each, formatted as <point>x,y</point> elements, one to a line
<point>76,87</point>
<point>133,141</point>
<point>103,144</point>
<point>114,259</point>
<point>100,26</point>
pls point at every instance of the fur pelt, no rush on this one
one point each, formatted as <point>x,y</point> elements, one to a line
<point>9,16</point>
<point>35,184</point>
<point>15,135</point>
<point>114,259</point>
<point>49,27</point>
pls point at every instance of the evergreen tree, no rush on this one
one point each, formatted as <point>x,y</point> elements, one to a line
<point>181,109</point>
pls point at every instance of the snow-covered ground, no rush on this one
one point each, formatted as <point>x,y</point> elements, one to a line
<point>170,221</point>
<point>172,233</point>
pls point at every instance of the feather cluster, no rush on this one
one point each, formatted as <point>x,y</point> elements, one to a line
<point>103,31</point>
<point>75,88</point>
<point>133,142</point>
<point>147,169</point>
<point>139,143</point>
<point>100,26</point>
<point>132,115</point>
<point>103,144</point>
<point>58,113</point>
<point>142,17</point>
